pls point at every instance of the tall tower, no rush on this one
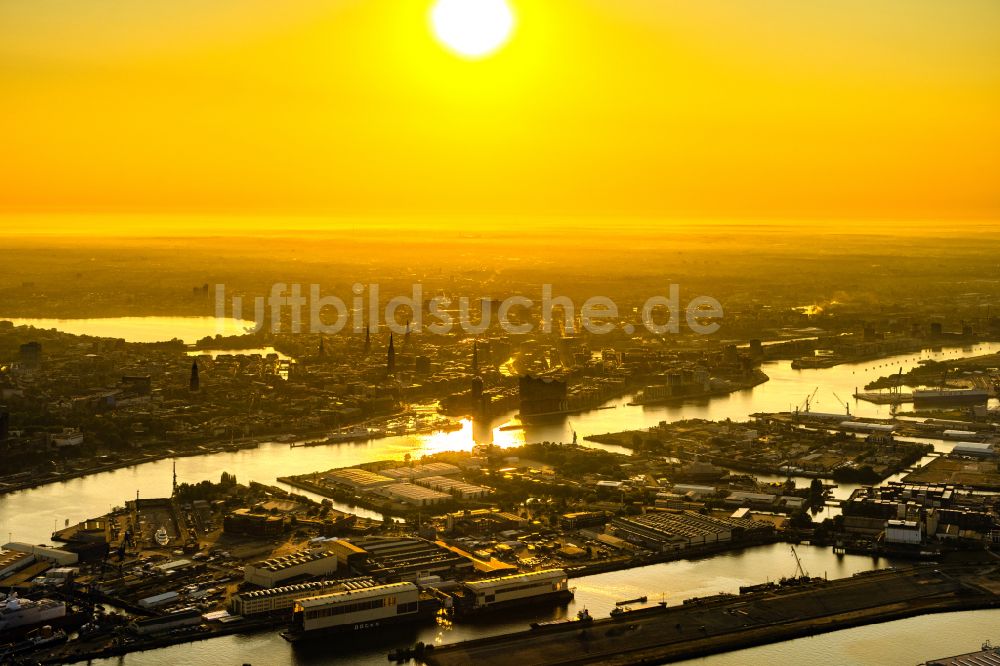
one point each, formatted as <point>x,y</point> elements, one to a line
<point>195,384</point>
<point>368,338</point>
<point>390,360</point>
<point>174,493</point>
<point>475,358</point>
<point>322,351</point>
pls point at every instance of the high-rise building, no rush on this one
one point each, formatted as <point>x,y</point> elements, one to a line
<point>475,358</point>
<point>195,383</point>
<point>30,354</point>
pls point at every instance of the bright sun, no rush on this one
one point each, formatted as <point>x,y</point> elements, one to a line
<point>472,28</point>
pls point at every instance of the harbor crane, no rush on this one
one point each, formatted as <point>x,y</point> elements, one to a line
<point>806,405</point>
<point>846,404</point>
<point>798,564</point>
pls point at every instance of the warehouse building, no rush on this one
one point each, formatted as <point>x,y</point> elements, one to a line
<point>409,493</point>
<point>666,531</point>
<point>246,523</point>
<point>903,531</point>
<point>12,561</point>
<point>421,471</point>
<point>304,564</point>
<point>391,559</point>
<point>260,602</point>
<point>357,479</point>
<point>974,449</point>
<point>454,487</point>
<point>55,555</point>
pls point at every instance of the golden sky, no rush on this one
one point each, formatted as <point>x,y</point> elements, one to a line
<point>671,108</point>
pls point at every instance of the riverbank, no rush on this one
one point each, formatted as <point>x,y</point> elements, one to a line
<point>203,449</point>
<point>718,625</point>
<point>757,379</point>
<point>75,653</point>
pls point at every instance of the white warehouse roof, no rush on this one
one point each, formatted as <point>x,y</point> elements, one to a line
<point>365,593</point>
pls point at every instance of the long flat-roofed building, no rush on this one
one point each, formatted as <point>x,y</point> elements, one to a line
<point>454,487</point>
<point>259,602</point>
<point>669,530</point>
<point>413,494</point>
<point>391,559</point>
<point>357,478</point>
<point>12,560</point>
<point>421,471</point>
<point>273,572</point>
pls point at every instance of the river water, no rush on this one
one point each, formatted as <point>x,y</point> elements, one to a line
<point>31,516</point>
<point>143,329</point>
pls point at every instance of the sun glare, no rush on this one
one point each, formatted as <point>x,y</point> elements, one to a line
<point>472,28</point>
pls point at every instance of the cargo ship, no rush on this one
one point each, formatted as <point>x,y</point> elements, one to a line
<point>354,611</point>
<point>550,586</point>
<point>950,396</point>
<point>15,612</point>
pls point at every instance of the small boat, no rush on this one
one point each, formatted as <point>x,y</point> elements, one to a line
<point>637,600</point>
<point>581,616</point>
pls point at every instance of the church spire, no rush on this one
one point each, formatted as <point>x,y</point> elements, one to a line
<point>390,360</point>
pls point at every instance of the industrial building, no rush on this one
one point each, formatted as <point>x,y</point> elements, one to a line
<point>974,449</point>
<point>55,555</point>
<point>454,487</point>
<point>12,561</point>
<point>259,602</point>
<point>483,521</point>
<point>409,493</point>
<point>879,428</point>
<point>421,471</point>
<point>161,599</point>
<point>695,491</point>
<point>744,498</point>
<point>942,511</point>
<point>304,563</point>
<point>356,478</point>
<point>391,559</point>
<point>903,531</point>
<point>246,523</point>
<point>669,530</point>
<point>579,519</point>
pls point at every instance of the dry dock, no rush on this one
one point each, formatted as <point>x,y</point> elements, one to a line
<point>659,635</point>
